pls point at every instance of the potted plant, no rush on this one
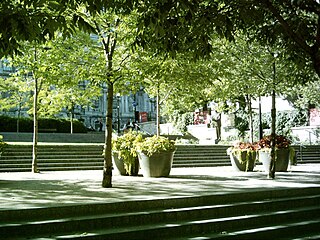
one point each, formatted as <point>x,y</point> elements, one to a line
<point>155,155</point>
<point>243,156</point>
<point>284,153</point>
<point>124,155</point>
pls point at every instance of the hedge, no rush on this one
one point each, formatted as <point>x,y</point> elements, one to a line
<point>9,124</point>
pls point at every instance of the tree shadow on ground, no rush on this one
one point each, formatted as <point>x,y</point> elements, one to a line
<point>41,191</point>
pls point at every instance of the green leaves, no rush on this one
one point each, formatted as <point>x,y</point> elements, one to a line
<point>38,20</point>
<point>183,26</point>
<point>155,144</point>
<point>61,68</point>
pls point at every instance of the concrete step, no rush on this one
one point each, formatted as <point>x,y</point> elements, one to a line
<point>63,168</point>
<point>91,137</point>
<point>173,228</point>
<point>194,165</point>
<point>185,156</point>
<point>61,163</point>
<point>204,157</point>
<point>48,158</point>
<point>194,160</point>
<point>164,218</point>
<point>198,154</point>
<point>52,157</point>
<point>210,149</point>
<point>308,229</point>
<point>200,163</point>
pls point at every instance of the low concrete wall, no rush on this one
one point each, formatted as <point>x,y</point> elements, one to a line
<point>203,133</point>
<point>97,137</point>
<point>306,134</point>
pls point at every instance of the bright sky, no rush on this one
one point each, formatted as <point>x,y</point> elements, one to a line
<point>281,105</point>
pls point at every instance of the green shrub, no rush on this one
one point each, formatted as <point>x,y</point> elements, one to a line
<point>2,144</point>
<point>9,124</point>
<point>25,125</point>
<point>285,120</point>
<point>181,120</point>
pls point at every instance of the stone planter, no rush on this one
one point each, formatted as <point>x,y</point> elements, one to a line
<point>282,160</point>
<point>247,165</point>
<point>157,165</point>
<point>118,162</point>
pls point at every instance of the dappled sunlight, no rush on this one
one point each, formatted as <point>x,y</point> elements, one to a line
<point>24,190</point>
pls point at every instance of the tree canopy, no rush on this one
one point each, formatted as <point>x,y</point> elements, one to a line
<point>182,25</point>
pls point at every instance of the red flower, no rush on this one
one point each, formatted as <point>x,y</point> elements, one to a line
<point>281,142</point>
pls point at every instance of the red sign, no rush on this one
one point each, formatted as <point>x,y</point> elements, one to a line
<point>314,117</point>
<point>143,117</point>
<point>200,117</point>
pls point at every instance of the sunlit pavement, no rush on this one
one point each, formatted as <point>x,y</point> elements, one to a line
<point>28,190</point>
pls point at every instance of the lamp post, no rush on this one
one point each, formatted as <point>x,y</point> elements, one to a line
<point>152,108</point>
<point>260,120</point>
<point>273,123</point>
<point>118,112</point>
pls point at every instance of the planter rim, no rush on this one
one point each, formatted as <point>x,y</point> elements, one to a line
<point>277,149</point>
<point>162,151</point>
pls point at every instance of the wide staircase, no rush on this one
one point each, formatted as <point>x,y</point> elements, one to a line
<point>55,157</point>
<point>201,156</point>
<point>307,153</point>
<point>89,157</point>
<point>269,214</point>
<point>18,158</point>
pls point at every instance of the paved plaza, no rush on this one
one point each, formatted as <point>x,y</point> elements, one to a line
<point>29,190</point>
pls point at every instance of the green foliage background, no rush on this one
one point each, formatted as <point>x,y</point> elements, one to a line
<point>285,120</point>
<point>181,120</point>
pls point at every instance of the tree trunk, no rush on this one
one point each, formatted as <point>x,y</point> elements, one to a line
<point>273,136</point>
<point>19,115</point>
<point>158,111</point>
<point>316,61</point>
<point>107,164</point>
<point>35,128</point>
<point>273,128</point>
<point>109,43</point>
<point>71,119</point>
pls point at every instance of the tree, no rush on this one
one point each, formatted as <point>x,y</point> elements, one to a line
<point>258,71</point>
<point>114,37</point>
<point>237,70</point>
<point>72,84</point>
<point>53,77</point>
<point>67,78</point>
<point>172,82</point>
<point>182,25</point>
<point>34,69</point>
<point>16,93</point>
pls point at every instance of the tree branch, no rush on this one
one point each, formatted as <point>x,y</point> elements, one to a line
<point>166,96</point>
<point>287,28</point>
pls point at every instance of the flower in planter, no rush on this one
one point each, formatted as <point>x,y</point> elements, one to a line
<point>243,151</point>
<point>155,144</point>
<point>281,142</point>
